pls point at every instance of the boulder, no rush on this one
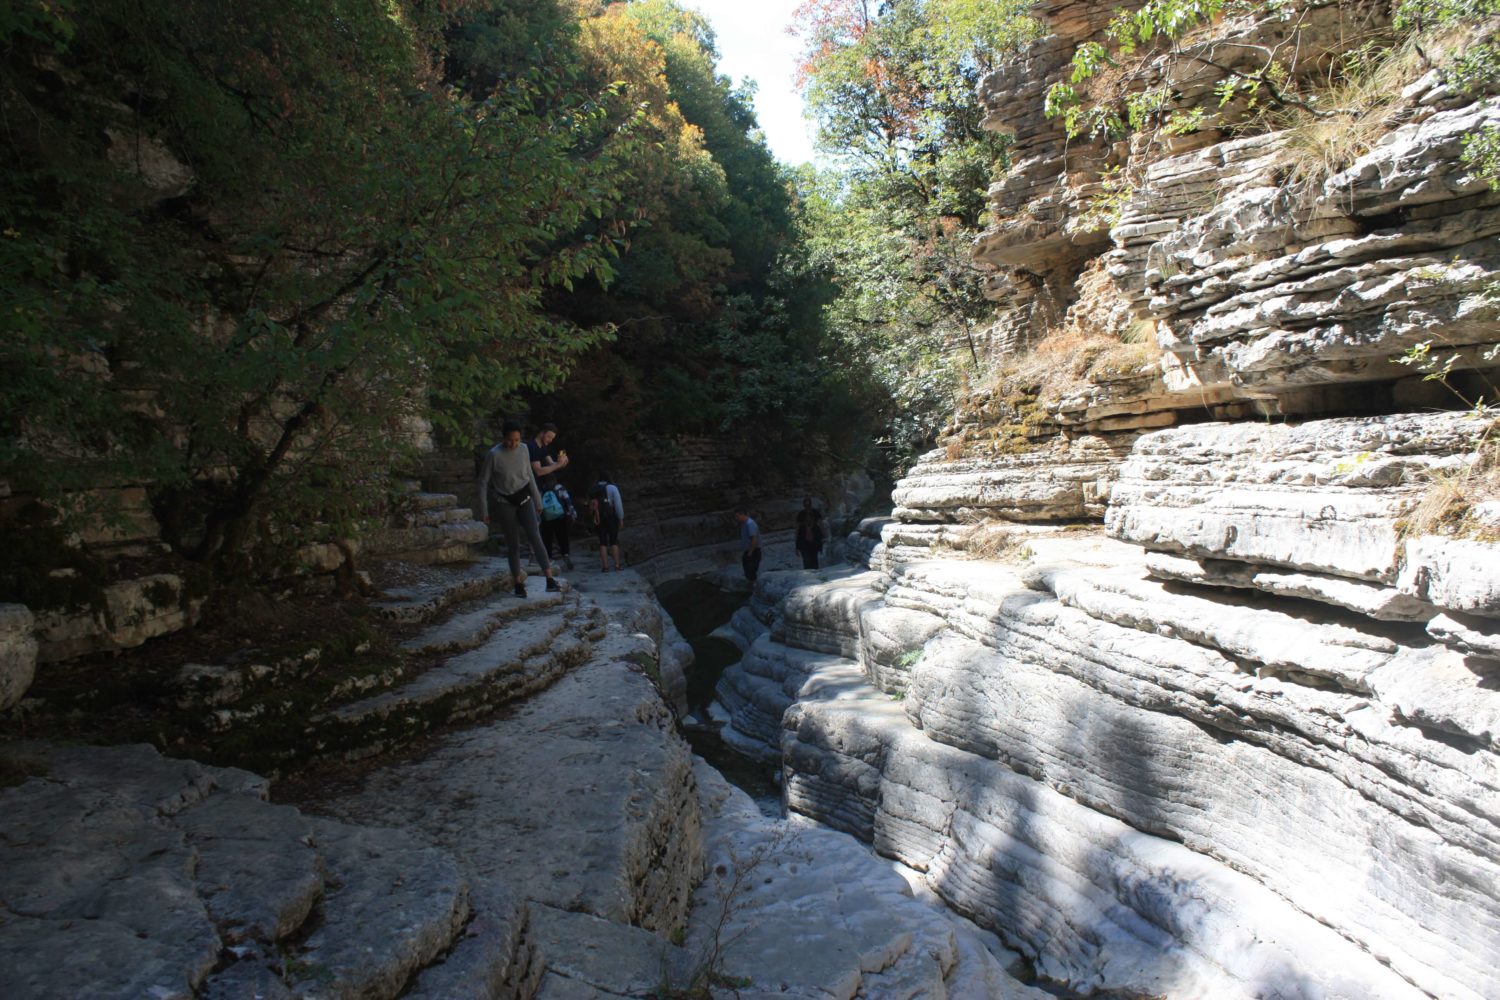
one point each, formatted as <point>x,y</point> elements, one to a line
<point>18,648</point>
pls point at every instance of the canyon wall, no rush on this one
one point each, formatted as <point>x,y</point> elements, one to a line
<point>1180,671</point>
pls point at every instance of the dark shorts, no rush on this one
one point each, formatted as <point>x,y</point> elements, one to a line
<point>608,532</point>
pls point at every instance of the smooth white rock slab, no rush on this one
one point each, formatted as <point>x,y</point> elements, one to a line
<point>1457,574</point>
<point>1324,496</point>
<point>1096,904</point>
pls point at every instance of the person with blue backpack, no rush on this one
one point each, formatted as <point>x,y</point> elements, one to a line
<point>558,515</point>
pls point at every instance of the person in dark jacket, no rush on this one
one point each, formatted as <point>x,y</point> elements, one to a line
<point>608,512</point>
<point>809,533</point>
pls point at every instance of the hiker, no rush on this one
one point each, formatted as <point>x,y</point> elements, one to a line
<point>558,515</point>
<point>507,483</point>
<point>543,462</point>
<point>607,511</point>
<point>809,533</point>
<point>749,544</point>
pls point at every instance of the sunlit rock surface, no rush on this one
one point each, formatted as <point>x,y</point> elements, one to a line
<point>1151,786</point>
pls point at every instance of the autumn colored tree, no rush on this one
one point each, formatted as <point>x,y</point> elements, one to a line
<point>892,88</point>
<point>718,332</point>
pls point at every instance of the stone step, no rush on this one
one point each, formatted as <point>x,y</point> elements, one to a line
<point>430,501</point>
<point>215,685</point>
<point>421,602</point>
<point>273,716</point>
<point>451,541</point>
<point>469,628</point>
<point>437,516</point>
<point>524,656</point>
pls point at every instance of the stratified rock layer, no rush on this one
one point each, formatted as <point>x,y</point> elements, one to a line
<point>1155,787</point>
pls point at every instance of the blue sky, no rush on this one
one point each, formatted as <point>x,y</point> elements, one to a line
<point>753,43</point>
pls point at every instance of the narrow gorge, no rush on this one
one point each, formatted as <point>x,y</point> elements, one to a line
<point>1171,669</point>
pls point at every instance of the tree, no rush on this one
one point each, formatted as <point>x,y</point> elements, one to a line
<point>714,335</point>
<point>892,88</point>
<point>247,247</point>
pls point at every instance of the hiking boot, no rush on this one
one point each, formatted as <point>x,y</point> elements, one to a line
<point>552,586</point>
<point>521,589</point>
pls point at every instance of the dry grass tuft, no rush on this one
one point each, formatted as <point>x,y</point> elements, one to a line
<point>997,543</point>
<point>1356,109</point>
<point>1447,507</point>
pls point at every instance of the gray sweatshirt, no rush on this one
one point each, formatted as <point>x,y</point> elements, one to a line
<point>504,472</point>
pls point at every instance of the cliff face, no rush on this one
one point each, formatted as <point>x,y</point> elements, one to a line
<point>1241,740</point>
<point>1174,278</point>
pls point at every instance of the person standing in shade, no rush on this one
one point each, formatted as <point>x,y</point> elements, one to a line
<point>607,511</point>
<point>507,483</point>
<point>544,462</point>
<point>809,533</point>
<point>558,515</point>
<point>749,544</point>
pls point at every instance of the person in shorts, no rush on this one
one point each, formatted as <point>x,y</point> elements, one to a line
<point>608,512</point>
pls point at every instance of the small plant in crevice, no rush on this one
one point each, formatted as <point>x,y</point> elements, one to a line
<point>734,878</point>
<point>1106,209</point>
<point>997,543</point>
<point>1451,497</point>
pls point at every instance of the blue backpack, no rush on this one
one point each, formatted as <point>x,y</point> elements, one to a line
<point>552,508</point>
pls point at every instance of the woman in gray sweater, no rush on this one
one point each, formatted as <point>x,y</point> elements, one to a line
<point>507,484</point>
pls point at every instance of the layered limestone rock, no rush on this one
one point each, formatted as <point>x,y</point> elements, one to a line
<point>1173,278</point>
<point>1320,510</point>
<point>1152,787</point>
<point>1065,481</point>
<point>17,653</point>
<point>1278,295</point>
<point>1256,759</point>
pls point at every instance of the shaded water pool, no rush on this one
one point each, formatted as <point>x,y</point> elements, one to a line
<point>697,608</point>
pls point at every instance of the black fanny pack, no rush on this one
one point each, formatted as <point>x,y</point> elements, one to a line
<point>519,498</point>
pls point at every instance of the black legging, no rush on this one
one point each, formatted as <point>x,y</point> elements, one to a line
<point>556,530</point>
<point>513,521</point>
<point>751,563</point>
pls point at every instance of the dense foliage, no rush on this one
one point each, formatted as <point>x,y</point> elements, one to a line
<point>714,304</point>
<point>248,250</point>
<point>246,247</point>
<point>892,87</point>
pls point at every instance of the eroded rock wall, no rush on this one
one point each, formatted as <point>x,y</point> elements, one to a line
<point>1256,264</point>
<point>1276,671</point>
